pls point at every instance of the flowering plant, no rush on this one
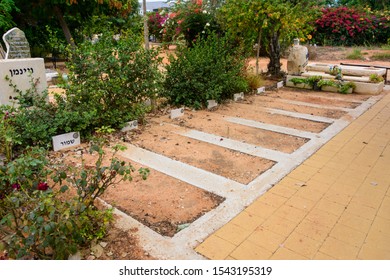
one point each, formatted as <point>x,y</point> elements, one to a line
<point>350,26</point>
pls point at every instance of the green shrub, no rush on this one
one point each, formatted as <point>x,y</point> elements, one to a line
<point>208,70</point>
<point>111,79</point>
<point>355,54</point>
<point>39,220</point>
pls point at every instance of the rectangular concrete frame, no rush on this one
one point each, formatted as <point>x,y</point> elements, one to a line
<point>361,87</point>
<point>346,70</point>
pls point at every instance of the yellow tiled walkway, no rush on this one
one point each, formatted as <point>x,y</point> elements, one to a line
<point>336,205</point>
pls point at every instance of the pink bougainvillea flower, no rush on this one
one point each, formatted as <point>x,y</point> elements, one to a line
<point>42,186</point>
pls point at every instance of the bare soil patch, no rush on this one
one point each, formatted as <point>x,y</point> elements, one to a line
<point>163,138</point>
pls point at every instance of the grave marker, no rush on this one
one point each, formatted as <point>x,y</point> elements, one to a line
<point>238,96</point>
<point>130,126</point>
<point>260,90</point>
<point>67,140</point>
<point>211,104</point>
<point>279,85</point>
<point>177,113</point>
<point>21,72</point>
<point>16,44</point>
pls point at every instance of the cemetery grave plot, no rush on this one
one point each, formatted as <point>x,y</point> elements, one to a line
<point>284,104</point>
<point>161,202</point>
<point>217,124</point>
<point>246,111</point>
<point>324,99</point>
<point>164,139</point>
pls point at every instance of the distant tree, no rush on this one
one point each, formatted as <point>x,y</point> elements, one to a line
<point>373,4</point>
<point>77,10</point>
<point>267,22</point>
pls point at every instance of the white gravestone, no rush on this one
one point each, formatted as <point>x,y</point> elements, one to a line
<point>130,126</point>
<point>279,84</point>
<point>177,113</point>
<point>66,140</point>
<point>238,96</point>
<point>20,72</point>
<point>260,90</point>
<point>211,104</point>
<point>16,44</point>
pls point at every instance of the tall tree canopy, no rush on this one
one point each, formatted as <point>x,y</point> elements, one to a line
<point>69,14</point>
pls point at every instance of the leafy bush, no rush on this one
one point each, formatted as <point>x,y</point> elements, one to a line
<point>111,79</point>
<point>209,70</point>
<point>39,219</point>
<point>349,26</point>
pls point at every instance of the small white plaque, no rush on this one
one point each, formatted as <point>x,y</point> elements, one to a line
<point>177,113</point>
<point>130,126</point>
<point>148,102</point>
<point>238,96</point>
<point>66,140</point>
<point>211,104</point>
<point>280,84</point>
<point>260,90</point>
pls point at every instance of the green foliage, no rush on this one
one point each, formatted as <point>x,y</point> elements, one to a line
<point>6,9</point>
<point>375,78</point>
<point>381,56</point>
<point>208,70</point>
<point>317,82</point>
<point>111,79</point>
<point>355,54</point>
<point>43,220</point>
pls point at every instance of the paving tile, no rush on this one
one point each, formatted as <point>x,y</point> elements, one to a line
<point>215,248</point>
<point>302,245</point>
<point>368,252</point>
<point>266,239</point>
<point>291,182</point>
<point>300,203</point>
<point>247,220</point>
<point>233,233</point>
<point>322,218</point>
<point>322,256</point>
<point>314,230</point>
<point>279,225</point>
<point>303,172</point>
<point>361,210</point>
<point>357,223</point>
<point>283,191</point>
<point>338,249</point>
<point>286,254</point>
<point>384,210</point>
<point>343,188</point>
<point>381,224</point>
<point>378,239</point>
<point>330,207</point>
<point>370,198</point>
<point>290,213</point>
<point>310,193</point>
<point>260,209</point>
<point>272,199</point>
<point>348,235</point>
<point>250,251</point>
<point>333,195</point>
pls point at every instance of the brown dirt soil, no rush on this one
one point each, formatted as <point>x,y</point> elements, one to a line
<point>162,202</point>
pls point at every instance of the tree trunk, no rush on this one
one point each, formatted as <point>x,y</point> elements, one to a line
<point>274,66</point>
<point>64,26</point>
<point>146,28</point>
<point>258,50</point>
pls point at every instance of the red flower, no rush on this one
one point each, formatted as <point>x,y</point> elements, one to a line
<point>15,186</point>
<point>42,186</point>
